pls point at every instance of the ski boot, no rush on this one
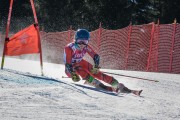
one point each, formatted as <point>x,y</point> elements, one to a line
<point>123,89</point>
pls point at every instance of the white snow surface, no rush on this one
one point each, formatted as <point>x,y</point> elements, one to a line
<point>26,95</point>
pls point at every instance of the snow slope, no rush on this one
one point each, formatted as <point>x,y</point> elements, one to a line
<point>25,95</point>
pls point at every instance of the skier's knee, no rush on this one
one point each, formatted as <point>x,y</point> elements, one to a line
<point>114,83</point>
<point>121,87</point>
<point>88,78</point>
<point>92,81</point>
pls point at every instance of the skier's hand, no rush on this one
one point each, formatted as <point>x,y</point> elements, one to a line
<point>75,77</point>
<point>95,70</point>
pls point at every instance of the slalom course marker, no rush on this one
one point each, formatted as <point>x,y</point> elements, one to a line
<point>9,41</point>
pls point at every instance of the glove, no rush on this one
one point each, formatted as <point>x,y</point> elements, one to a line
<point>95,70</point>
<point>75,77</point>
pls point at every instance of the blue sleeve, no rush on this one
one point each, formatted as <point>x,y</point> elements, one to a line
<point>69,67</point>
<point>96,60</point>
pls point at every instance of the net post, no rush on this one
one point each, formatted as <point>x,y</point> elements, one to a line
<point>39,40</point>
<point>99,36</point>
<point>128,46</point>
<point>69,34</point>
<point>172,46</point>
<point>7,32</point>
<point>150,47</point>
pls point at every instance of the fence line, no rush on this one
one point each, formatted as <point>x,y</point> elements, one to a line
<point>149,47</point>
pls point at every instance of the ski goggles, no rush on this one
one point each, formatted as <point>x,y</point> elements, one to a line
<point>82,42</point>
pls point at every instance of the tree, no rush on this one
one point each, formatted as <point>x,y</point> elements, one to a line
<point>59,15</point>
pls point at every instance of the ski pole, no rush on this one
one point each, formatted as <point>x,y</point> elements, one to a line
<point>132,77</point>
<point>65,77</point>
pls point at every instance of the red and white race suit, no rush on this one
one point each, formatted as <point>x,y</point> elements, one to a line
<point>74,57</point>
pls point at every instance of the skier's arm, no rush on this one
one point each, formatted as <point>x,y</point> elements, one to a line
<point>68,64</point>
<point>96,58</point>
<point>68,59</point>
<point>94,55</point>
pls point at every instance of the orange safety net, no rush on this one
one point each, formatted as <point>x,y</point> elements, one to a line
<point>53,44</point>
<point>149,47</point>
<point>176,51</point>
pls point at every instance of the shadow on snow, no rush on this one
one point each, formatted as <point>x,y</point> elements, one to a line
<point>58,81</point>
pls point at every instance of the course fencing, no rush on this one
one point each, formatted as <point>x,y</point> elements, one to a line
<point>149,47</point>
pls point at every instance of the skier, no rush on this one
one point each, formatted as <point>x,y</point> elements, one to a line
<point>76,66</point>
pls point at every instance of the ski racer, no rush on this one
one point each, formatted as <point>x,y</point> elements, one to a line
<point>76,66</point>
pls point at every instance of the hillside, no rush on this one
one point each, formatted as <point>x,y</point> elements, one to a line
<point>25,95</point>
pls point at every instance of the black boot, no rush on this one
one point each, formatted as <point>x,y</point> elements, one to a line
<point>123,89</point>
<point>126,90</point>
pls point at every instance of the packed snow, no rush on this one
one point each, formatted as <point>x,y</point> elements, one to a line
<point>26,95</point>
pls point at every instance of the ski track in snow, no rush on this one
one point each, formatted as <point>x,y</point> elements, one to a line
<point>29,96</point>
